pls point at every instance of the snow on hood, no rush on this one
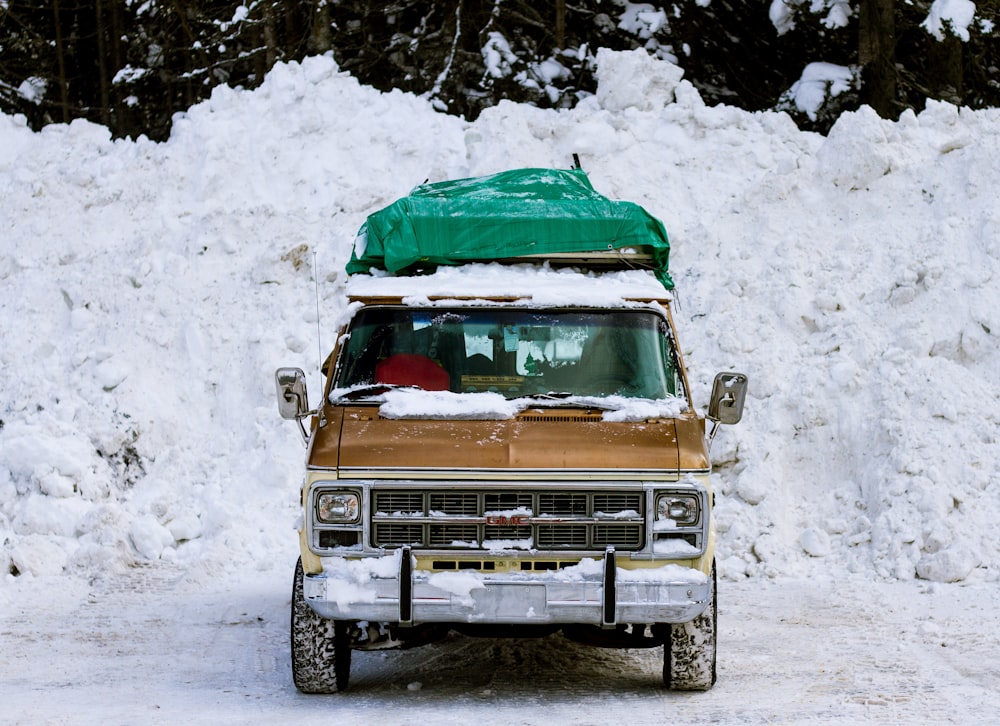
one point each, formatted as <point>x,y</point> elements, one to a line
<point>410,403</point>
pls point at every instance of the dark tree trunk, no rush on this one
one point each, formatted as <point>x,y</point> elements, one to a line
<point>103,81</point>
<point>61,62</point>
<point>877,55</point>
<point>560,24</point>
<point>944,69</point>
<point>320,35</point>
<point>270,30</point>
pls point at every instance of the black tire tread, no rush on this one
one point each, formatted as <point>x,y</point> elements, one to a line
<point>321,654</point>
<point>689,653</point>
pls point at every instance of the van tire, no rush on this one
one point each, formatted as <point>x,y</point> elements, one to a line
<point>321,653</point>
<point>689,652</point>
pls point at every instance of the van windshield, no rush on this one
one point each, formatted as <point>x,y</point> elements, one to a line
<point>512,351</point>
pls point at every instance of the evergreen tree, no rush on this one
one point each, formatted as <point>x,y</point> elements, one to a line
<point>132,65</point>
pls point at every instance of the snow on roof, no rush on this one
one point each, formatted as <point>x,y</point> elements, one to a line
<point>539,284</point>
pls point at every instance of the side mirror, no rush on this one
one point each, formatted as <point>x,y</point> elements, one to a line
<point>728,394</point>
<point>293,400</point>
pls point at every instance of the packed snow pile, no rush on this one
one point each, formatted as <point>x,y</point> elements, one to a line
<point>150,290</point>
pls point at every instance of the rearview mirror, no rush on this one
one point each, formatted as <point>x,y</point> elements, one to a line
<point>728,393</point>
<point>293,400</point>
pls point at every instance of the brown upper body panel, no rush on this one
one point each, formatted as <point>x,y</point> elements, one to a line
<point>356,437</point>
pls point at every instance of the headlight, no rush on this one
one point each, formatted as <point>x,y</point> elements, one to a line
<point>682,509</point>
<point>338,507</point>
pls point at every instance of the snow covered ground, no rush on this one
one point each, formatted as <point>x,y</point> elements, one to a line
<point>156,648</point>
<point>148,487</point>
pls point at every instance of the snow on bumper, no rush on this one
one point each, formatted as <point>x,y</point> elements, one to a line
<point>390,589</point>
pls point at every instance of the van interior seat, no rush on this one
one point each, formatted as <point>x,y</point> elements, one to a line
<point>411,369</point>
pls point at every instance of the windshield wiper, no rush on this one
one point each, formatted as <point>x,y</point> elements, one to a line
<point>561,399</point>
<point>372,389</point>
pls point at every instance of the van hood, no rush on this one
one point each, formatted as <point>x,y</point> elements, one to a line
<point>357,437</point>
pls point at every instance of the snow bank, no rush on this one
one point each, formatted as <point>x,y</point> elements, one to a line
<point>151,289</point>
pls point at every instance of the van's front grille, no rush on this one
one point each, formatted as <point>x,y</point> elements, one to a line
<point>493,519</point>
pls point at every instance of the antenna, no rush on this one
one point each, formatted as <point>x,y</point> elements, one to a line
<point>319,329</point>
<point>319,344</point>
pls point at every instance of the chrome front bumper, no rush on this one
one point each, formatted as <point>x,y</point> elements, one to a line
<point>596,592</point>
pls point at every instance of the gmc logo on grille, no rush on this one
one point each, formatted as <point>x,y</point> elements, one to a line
<point>500,520</point>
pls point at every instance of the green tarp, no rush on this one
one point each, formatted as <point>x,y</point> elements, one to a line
<point>510,214</point>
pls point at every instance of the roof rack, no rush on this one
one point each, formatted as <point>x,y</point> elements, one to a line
<point>628,258</point>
